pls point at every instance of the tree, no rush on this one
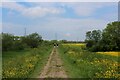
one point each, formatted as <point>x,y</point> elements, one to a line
<point>17,43</point>
<point>111,36</point>
<point>92,37</point>
<point>7,41</point>
<point>32,40</point>
<point>96,35</point>
<point>107,40</point>
<point>89,35</point>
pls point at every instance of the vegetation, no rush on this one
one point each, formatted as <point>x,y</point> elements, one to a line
<point>110,53</point>
<point>32,40</point>
<point>106,40</point>
<point>26,63</point>
<point>11,42</point>
<point>23,56</point>
<point>80,63</point>
<point>97,57</point>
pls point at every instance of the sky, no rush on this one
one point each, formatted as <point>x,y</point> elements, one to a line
<point>57,20</point>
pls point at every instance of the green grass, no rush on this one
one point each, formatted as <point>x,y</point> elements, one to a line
<point>26,63</point>
<point>81,63</point>
<point>41,63</point>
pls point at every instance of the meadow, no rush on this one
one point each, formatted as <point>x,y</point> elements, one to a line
<point>80,63</point>
<point>25,63</point>
<point>110,53</point>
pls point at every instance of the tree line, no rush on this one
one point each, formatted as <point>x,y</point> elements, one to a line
<point>96,40</point>
<point>105,40</point>
<point>11,42</point>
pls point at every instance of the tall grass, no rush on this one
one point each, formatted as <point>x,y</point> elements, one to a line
<point>24,64</point>
<point>80,63</point>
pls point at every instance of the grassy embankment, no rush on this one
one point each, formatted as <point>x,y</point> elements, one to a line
<point>26,63</point>
<point>81,63</point>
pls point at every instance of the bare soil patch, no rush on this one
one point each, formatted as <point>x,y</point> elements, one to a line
<point>54,67</point>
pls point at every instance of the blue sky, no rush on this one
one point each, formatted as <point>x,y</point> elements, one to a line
<point>69,20</point>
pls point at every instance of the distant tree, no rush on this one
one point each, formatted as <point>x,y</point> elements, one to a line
<point>108,40</point>
<point>17,43</point>
<point>32,40</point>
<point>7,41</point>
<point>11,42</point>
<point>89,40</point>
<point>96,35</point>
<point>46,42</point>
<point>111,36</point>
<point>89,35</point>
<point>92,37</point>
<point>63,41</point>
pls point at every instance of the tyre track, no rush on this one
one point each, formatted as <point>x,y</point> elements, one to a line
<point>54,67</point>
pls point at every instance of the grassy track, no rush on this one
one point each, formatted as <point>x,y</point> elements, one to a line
<point>80,63</point>
<point>26,63</point>
<point>54,67</point>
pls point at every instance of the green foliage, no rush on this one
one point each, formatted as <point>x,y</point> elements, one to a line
<point>18,45</point>
<point>63,41</point>
<point>92,38</point>
<point>111,36</point>
<point>94,35</point>
<point>7,41</point>
<point>107,40</point>
<point>21,61</point>
<point>32,40</point>
<point>11,42</point>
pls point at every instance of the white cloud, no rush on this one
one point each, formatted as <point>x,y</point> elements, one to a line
<point>13,6</point>
<point>88,8</point>
<point>32,12</point>
<point>67,35</point>
<point>42,9</point>
<point>40,12</point>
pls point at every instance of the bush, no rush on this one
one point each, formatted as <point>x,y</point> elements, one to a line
<point>7,41</point>
<point>11,42</point>
<point>32,40</point>
<point>18,45</point>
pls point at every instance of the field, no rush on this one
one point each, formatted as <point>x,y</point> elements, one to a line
<point>80,63</point>
<point>26,63</point>
<point>110,53</point>
<point>77,62</point>
<point>75,44</point>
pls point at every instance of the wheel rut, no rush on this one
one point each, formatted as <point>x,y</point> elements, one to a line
<point>54,67</point>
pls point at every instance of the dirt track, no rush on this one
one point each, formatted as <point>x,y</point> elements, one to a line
<point>54,67</point>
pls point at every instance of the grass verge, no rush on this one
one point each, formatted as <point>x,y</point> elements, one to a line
<point>80,63</point>
<point>24,64</point>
